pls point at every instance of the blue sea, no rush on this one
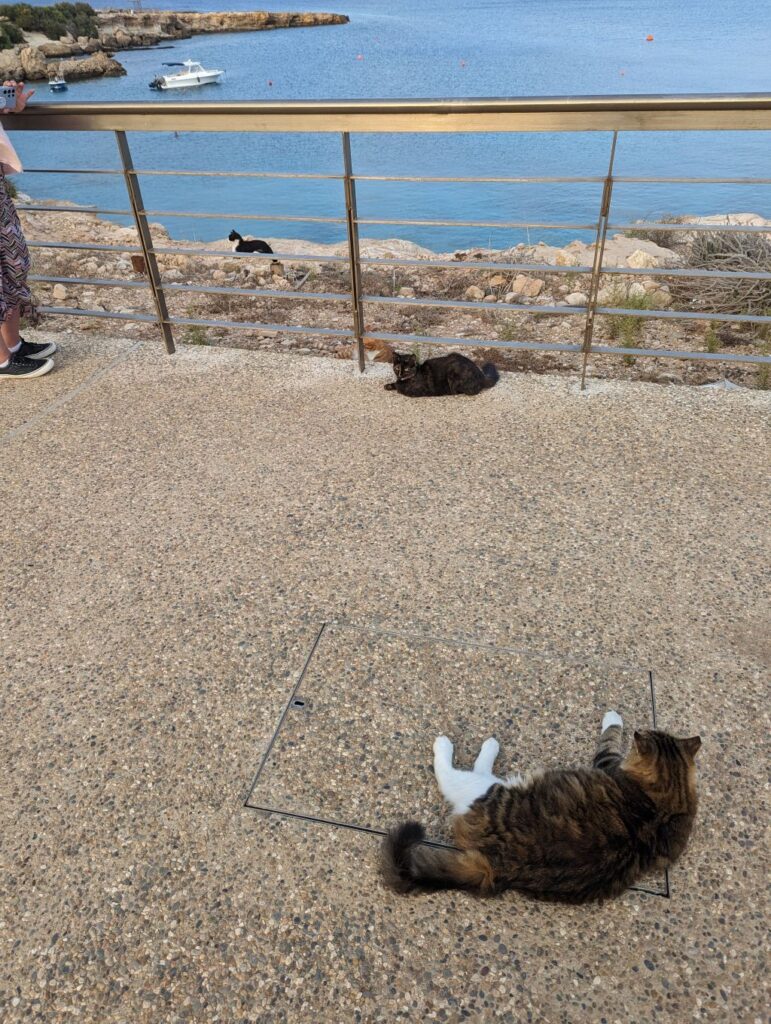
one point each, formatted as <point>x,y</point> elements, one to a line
<point>436,48</point>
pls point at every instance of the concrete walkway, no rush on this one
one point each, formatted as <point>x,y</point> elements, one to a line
<point>199,544</point>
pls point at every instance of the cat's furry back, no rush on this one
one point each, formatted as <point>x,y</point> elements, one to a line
<point>570,835</point>
<point>454,374</point>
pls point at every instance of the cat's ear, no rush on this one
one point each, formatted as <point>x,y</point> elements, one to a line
<point>643,742</point>
<point>692,745</point>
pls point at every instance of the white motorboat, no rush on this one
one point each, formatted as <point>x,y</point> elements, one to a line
<point>194,74</point>
<point>57,84</point>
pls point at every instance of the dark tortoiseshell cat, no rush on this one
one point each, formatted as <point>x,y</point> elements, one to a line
<point>445,375</point>
<point>572,835</point>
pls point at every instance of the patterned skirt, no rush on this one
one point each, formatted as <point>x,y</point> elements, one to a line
<point>14,259</point>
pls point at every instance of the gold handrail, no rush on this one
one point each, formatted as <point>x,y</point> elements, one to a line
<point>698,112</point>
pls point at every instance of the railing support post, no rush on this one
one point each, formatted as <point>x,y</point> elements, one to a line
<point>599,251</point>
<point>145,240</point>
<point>351,217</point>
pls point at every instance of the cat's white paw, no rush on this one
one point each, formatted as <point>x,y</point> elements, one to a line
<point>443,748</point>
<point>612,718</point>
<point>490,750</point>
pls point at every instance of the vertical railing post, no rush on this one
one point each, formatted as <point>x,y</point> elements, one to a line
<point>599,251</point>
<point>145,240</point>
<point>351,218</point>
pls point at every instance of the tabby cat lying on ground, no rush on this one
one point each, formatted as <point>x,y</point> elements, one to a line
<point>572,835</point>
<point>445,375</point>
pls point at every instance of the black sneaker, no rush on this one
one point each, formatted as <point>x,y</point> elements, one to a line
<point>20,368</point>
<point>29,350</point>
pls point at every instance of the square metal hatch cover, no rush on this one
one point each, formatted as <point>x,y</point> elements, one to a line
<point>353,746</point>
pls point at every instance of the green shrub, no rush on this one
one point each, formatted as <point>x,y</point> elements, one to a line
<point>57,20</point>
<point>196,335</point>
<point>711,339</point>
<point>10,35</point>
<point>627,330</point>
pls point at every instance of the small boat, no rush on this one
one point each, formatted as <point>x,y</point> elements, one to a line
<point>194,74</point>
<point>57,84</point>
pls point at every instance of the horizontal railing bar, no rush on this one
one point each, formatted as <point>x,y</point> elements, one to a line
<point>71,170</point>
<point>244,216</point>
<point>396,177</point>
<point>98,282</point>
<point>549,268</point>
<point>480,181</point>
<point>658,353</point>
<point>743,111</point>
<point>100,314</point>
<point>428,339</point>
<point>753,275</point>
<point>482,224</point>
<point>692,181</point>
<point>184,174</point>
<point>86,246</point>
<point>546,268</point>
<point>269,256</point>
<point>539,346</point>
<point>256,292</point>
<point>675,314</point>
<point>34,208</point>
<point>397,300</point>
<point>677,226</point>
<point>329,332</point>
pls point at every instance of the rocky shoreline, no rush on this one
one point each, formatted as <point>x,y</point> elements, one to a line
<point>489,298</point>
<point>37,57</point>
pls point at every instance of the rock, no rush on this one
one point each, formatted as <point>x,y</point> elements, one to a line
<point>661,299</point>
<point>512,297</point>
<point>636,290</point>
<point>219,275</point>
<point>577,299</point>
<point>565,259</point>
<point>59,292</point>
<point>605,296</point>
<point>474,293</point>
<point>407,293</point>
<point>490,298</point>
<point>649,285</point>
<point>641,258</point>
<point>562,289</point>
<point>497,281</point>
<point>173,275</point>
<point>98,65</point>
<point>528,286</point>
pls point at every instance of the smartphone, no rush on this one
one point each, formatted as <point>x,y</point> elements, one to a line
<point>8,94</point>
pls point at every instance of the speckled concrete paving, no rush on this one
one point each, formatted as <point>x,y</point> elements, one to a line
<point>181,526</point>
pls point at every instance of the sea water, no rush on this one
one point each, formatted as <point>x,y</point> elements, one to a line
<point>435,49</point>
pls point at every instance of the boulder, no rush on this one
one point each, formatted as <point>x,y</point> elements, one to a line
<point>497,281</point>
<point>577,299</point>
<point>661,299</point>
<point>490,298</point>
<point>511,297</point>
<point>641,258</point>
<point>98,65</point>
<point>474,293</point>
<point>636,291</point>
<point>59,292</point>
<point>407,293</point>
<point>527,286</point>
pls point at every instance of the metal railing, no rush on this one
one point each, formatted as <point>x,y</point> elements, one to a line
<point>613,114</point>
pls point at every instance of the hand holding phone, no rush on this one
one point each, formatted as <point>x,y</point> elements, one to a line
<point>14,97</point>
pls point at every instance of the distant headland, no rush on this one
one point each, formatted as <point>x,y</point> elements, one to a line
<point>79,42</point>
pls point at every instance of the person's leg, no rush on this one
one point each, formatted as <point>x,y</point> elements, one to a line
<point>9,333</point>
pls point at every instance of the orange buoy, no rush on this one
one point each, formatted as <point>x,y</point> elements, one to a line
<point>649,39</point>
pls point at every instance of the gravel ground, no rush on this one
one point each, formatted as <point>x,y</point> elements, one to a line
<point>180,528</point>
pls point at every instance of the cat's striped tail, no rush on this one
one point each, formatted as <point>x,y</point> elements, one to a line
<point>408,866</point>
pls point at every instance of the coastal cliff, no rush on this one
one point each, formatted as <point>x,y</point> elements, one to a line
<point>37,57</point>
<point>121,29</point>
